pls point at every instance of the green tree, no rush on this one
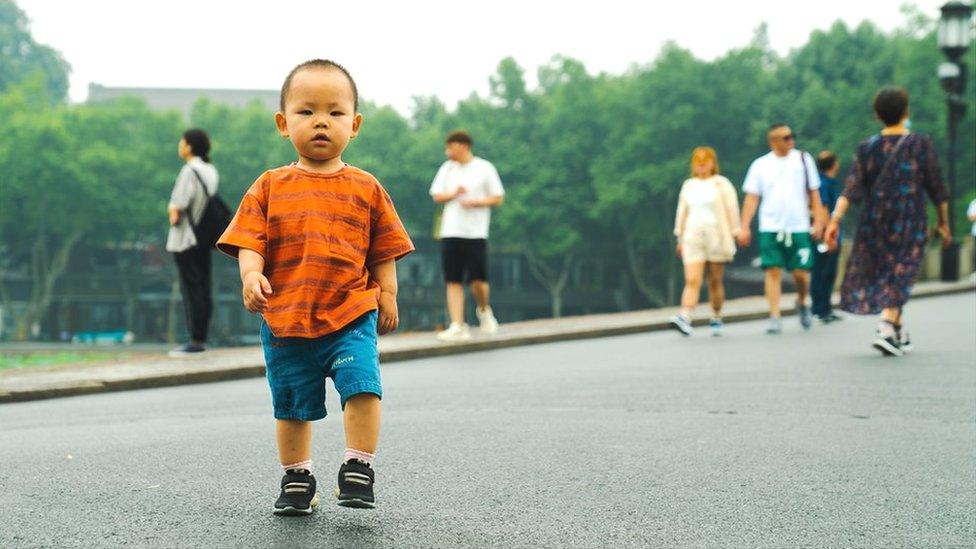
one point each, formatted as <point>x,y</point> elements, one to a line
<point>21,57</point>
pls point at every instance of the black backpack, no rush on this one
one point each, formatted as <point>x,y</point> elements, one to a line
<point>214,221</point>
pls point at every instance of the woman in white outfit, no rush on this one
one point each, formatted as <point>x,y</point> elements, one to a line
<point>705,226</point>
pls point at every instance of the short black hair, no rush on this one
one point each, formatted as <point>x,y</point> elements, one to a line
<point>826,160</point>
<point>318,64</point>
<point>891,104</point>
<point>199,143</point>
<point>459,136</point>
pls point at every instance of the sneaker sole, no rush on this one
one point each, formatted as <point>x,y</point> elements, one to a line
<point>295,511</point>
<point>353,502</point>
<point>886,348</point>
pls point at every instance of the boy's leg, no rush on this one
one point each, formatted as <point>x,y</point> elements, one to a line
<point>294,441</point>
<point>361,420</point>
<point>353,363</point>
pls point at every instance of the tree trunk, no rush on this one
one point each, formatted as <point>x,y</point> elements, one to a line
<point>653,295</point>
<point>557,302</point>
<point>45,272</point>
<point>553,280</point>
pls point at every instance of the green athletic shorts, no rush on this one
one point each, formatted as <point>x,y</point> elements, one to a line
<point>788,251</point>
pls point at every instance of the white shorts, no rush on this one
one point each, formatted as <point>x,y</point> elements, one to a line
<point>704,243</point>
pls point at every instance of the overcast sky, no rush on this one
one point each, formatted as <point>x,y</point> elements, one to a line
<point>399,49</point>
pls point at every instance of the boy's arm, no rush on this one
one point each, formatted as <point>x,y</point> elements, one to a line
<point>384,273</point>
<point>255,286</point>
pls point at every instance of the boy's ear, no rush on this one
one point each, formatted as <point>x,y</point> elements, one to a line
<point>356,122</point>
<point>282,124</point>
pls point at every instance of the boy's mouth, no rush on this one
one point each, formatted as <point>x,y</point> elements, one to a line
<point>321,138</point>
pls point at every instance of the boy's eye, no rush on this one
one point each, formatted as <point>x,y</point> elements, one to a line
<point>305,111</point>
<point>337,113</point>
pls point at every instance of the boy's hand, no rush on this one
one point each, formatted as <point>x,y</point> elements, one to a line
<point>256,289</point>
<point>389,317</point>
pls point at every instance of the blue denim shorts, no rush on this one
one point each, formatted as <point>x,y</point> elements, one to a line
<point>297,368</point>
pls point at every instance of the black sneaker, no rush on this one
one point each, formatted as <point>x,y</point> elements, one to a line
<point>298,496</point>
<point>355,485</point>
<point>889,346</point>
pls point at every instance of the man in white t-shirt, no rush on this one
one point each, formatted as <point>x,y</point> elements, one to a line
<point>468,187</point>
<point>786,183</point>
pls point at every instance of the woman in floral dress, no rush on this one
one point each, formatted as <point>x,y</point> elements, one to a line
<point>891,175</point>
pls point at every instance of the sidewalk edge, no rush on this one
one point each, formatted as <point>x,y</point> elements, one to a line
<point>186,378</point>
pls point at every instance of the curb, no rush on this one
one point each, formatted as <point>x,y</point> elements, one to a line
<point>438,350</point>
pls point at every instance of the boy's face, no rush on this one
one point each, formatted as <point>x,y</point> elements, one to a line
<point>320,116</point>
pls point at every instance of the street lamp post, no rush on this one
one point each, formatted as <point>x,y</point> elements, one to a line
<point>953,39</point>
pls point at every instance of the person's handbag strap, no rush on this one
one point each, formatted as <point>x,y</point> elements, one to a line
<point>891,157</point>
<point>200,180</point>
<point>189,213</point>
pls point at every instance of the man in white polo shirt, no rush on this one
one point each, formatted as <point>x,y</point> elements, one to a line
<point>785,181</point>
<point>469,187</point>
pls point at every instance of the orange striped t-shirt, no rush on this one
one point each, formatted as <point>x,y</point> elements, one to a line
<point>318,234</point>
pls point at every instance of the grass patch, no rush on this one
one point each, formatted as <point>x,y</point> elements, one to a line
<point>29,360</point>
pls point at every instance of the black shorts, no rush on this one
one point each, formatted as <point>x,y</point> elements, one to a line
<point>464,259</point>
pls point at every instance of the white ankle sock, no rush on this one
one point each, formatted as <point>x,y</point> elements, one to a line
<point>307,465</point>
<point>364,457</point>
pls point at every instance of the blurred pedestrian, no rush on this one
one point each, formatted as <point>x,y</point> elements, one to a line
<point>196,182</point>
<point>783,185</point>
<point>705,225</point>
<point>824,272</point>
<point>971,215</point>
<point>891,174</point>
<point>469,187</point>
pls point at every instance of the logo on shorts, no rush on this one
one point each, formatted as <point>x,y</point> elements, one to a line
<point>343,360</point>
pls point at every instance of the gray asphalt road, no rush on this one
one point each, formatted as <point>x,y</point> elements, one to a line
<point>809,440</point>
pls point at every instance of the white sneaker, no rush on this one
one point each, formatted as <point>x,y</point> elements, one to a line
<point>455,332</point>
<point>486,321</point>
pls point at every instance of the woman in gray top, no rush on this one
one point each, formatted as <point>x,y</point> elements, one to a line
<point>186,205</point>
